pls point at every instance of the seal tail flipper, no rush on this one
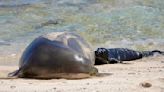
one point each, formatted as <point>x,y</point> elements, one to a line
<point>14,74</point>
<point>151,53</point>
<point>158,51</point>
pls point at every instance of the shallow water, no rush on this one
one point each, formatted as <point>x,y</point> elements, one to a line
<point>136,24</point>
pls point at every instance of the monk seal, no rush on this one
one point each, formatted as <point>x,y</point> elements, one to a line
<point>57,55</point>
<point>118,55</point>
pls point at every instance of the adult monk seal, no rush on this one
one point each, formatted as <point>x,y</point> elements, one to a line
<point>57,55</point>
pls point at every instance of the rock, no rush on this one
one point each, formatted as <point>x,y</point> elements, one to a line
<point>146,84</point>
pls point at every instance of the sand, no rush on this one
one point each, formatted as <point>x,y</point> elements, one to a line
<point>144,75</point>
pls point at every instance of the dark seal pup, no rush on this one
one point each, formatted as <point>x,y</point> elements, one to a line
<point>57,55</point>
<point>117,55</point>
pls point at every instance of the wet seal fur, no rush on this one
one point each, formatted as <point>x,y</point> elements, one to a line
<point>57,55</point>
<point>118,55</point>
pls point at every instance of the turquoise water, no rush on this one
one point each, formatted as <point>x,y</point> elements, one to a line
<point>136,24</point>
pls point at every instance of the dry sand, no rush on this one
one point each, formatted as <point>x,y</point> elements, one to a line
<point>129,77</point>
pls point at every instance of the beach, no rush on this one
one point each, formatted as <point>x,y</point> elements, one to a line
<point>128,77</point>
<point>132,24</point>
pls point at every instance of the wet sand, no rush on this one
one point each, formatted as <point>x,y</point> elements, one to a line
<point>144,75</point>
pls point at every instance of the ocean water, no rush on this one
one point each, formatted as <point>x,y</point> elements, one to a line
<point>134,24</point>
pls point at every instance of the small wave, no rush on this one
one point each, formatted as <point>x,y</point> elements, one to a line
<point>2,42</point>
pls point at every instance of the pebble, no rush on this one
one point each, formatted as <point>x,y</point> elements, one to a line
<point>162,61</point>
<point>146,84</point>
<point>12,86</point>
<point>87,83</point>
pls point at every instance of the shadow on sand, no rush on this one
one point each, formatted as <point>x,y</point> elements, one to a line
<point>104,74</point>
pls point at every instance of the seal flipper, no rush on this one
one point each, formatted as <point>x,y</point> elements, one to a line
<point>151,53</point>
<point>114,60</point>
<point>158,51</point>
<point>15,73</point>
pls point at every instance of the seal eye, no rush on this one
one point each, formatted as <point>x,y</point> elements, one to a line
<point>78,58</point>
